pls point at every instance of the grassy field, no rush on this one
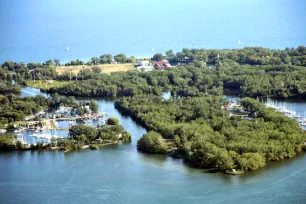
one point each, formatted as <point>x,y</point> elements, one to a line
<point>106,68</point>
<point>45,85</point>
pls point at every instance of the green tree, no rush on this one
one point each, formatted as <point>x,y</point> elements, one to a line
<point>95,60</point>
<point>121,58</point>
<point>57,62</point>
<point>112,121</point>
<point>158,57</point>
<point>152,142</point>
<point>170,54</point>
<point>48,63</point>
<point>93,106</point>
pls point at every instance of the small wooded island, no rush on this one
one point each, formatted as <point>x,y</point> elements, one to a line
<point>196,124</point>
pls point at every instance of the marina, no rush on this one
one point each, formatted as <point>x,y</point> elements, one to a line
<point>55,125</point>
<point>288,111</point>
<point>292,109</point>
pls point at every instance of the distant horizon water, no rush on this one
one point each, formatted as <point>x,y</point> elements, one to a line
<point>138,57</point>
<point>35,31</point>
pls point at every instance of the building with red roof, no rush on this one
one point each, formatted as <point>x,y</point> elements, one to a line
<point>164,64</point>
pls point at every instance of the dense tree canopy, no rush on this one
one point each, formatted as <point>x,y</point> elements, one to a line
<point>14,109</point>
<point>152,142</point>
<point>207,136</point>
<point>248,55</point>
<point>112,121</point>
<point>104,134</point>
<point>251,71</point>
<point>278,81</point>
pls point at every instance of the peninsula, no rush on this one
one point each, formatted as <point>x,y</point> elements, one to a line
<point>197,123</point>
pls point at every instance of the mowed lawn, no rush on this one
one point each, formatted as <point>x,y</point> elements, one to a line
<point>106,68</point>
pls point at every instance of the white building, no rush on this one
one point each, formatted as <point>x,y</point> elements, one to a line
<point>143,63</point>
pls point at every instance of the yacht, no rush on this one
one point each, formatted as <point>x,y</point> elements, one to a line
<point>21,139</point>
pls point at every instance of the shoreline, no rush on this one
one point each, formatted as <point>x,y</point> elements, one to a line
<point>84,147</point>
<point>146,56</point>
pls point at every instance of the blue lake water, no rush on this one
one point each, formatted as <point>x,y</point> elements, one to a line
<point>39,30</point>
<point>121,174</point>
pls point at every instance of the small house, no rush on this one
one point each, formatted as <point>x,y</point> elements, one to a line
<point>164,64</point>
<point>114,62</point>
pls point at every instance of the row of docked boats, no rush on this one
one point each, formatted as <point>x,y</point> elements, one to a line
<point>289,112</point>
<point>46,136</point>
<point>43,135</point>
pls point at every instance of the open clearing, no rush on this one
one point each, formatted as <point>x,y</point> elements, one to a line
<point>106,68</point>
<point>40,84</point>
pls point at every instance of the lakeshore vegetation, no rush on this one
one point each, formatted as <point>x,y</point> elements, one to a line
<point>80,137</point>
<point>191,125</point>
<point>207,136</point>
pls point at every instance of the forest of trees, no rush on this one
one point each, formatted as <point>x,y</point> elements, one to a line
<point>201,132</point>
<point>248,55</point>
<point>253,72</point>
<point>206,136</point>
<point>6,83</point>
<point>278,81</point>
<point>13,108</point>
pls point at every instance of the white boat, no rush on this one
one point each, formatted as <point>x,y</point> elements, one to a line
<point>21,139</point>
<point>34,135</point>
<point>289,112</point>
<point>103,122</point>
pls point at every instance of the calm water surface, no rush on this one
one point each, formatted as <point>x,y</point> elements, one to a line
<point>40,30</point>
<point>120,174</point>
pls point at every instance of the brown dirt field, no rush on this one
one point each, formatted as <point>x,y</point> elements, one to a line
<point>106,68</point>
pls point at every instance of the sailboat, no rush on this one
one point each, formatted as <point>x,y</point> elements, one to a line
<point>21,139</point>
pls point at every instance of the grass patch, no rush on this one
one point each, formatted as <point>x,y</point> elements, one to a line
<point>40,84</point>
<point>106,68</point>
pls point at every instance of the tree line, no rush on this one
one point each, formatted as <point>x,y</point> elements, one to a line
<point>278,81</point>
<point>248,55</point>
<point>204,71</point>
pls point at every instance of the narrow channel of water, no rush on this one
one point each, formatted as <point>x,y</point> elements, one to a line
<point>120,174</point>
